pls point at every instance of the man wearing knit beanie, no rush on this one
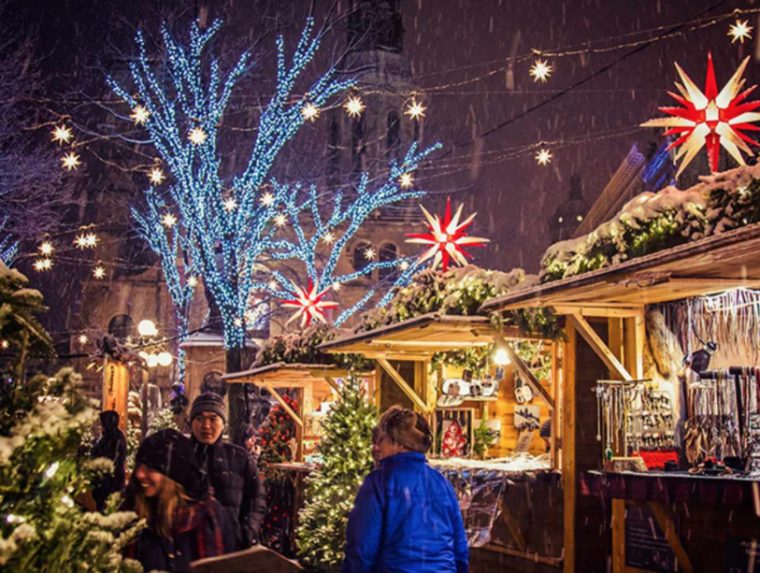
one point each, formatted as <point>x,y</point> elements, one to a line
<point>231,470</point>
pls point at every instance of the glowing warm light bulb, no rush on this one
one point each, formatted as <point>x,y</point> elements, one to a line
<point>501,357</point>
<point>139,115</point>
<point>70,161</point>
<point>83,339</point>
<point>415,110</point>
<point>354,106</point>
<point>62,134</point>
<point>197,136</point>
<point>169,220</point>
<point>310,112</point>
<point>156,175</point>
<point>541,70</point>
<point>543,157</point>
<point>4,344</point>
<point>406,180</point>
<point>740,31</point>
<point>164,358</point>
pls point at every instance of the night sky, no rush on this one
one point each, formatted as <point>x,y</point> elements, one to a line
<point>459,51</point>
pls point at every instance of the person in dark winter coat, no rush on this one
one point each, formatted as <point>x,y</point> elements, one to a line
<point>406,516</point>
<point>169,491</point>
<point>112,444</point>
<point>231,470</point>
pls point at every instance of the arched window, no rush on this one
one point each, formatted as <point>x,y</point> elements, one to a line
<point>388,253</point>
<point>360,258</point>
<point>122,326</point>
<point>393,135</point>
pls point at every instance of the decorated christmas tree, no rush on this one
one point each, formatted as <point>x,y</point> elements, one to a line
<point>330,491</point>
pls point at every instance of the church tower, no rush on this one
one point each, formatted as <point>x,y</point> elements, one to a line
<point>381,133</point>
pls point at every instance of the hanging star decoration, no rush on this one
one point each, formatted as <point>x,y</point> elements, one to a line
<point>740,31</point>
<point>415,110</point>
<point>710,119</point>
<point>70,161</point>
<point>543,156</point>
<point>541,70</point>
<point>62,134</point>
<point>309,304</point>
<point>447,238</point>
<point>354,106</point>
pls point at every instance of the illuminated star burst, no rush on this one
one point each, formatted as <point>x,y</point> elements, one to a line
<point>70,161</point>
<point>169,220</point>
<point>328,237</point>
<point>156,176</point>
<point>415,110</point>
<point>406,180</point>
<point>267,199</point>
<point>540,71</point>
<point>42,265</point>
<point>447,238</point>
<point>310,112</point>
<point>46,248</point>
<point>99,272</point>
<point>139,115</point>
<point>740,31</point>
<point>86,241</point>
<point>543,157</point>
<point>711,119</point>
<point>83,339</point>
<point>309,304</point>
<point>197,136</point>
<point>354,106</point>
<point>230,204</point>
<point>192,282</point>
<point>280,219</point>
<point>369,253</point>
<point>62,134</point>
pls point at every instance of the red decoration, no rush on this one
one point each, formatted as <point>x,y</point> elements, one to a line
<point>309,304</point>
<point>448,238</point>
<point>710,119</point>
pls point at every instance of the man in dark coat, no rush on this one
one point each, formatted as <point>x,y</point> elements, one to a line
<point>231,470</point>
<point>112,445</point>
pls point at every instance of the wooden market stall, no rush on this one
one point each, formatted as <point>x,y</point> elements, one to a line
<point>514,520</point>
<point>703,523</point>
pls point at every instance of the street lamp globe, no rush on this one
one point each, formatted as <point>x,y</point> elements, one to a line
<point>147,328</point>
<point>164,358</point>
<point>152,360</point>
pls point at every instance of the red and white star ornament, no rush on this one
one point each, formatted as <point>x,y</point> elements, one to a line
<point>309,304</point>
<point>447,238</point>
<point>711,119</point>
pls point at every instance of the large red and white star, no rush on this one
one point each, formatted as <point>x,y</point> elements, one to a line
<point>309,304</point>
<point>447,238</point>
<point>711,119</point>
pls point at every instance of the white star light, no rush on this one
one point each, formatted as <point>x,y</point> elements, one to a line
<point>328,237</point>
<point>192,282</point>
<point>354,106</point>
<point>156,175</point>
<point>99,272</point>
<point>139,115</point>
<point>62,134</point>
<point>230,204</point>
<point>272,285</point>
<point>280,219</point>
<point>403,265</point>
<point>406,180</point>
<point>83,339</point>
<point>336,287</point>
<point>369,253</point>
<point>5,345</point>
<point>169,220</point>
<point>197,136</point>
<point>41,265</point>
<point>46,248</point>
<point>541,70</point>
<point>740,31</point>
<point>267,199</point>
<point>415,110</point>
<point>86,241</point>
<point>543,157</point>
<point>70,161</point>
<point>310,112</point>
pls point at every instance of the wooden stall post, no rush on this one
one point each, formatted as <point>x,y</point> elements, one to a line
<point>569,478</point>
<point>115,390</point>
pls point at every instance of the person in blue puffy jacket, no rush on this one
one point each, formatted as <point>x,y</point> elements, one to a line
<point>406,516</point>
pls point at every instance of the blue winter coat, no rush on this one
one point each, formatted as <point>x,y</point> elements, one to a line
<point>406,518</point>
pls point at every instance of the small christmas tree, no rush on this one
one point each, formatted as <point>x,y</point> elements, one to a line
<point>330,490</point>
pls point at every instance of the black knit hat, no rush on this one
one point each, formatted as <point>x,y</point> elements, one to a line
<point>209,402</point>
<point>172,454</point>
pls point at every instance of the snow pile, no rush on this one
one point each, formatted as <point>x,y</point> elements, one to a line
<point>301,348</point>
<point>655,221</point>
<point>517,463</point>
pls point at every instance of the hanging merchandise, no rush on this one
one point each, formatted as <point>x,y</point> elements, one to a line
<point>523,392</point>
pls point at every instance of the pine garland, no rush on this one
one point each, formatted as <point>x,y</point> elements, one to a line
<point>331,489</point>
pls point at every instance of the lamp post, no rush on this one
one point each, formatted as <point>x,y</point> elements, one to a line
<point>148,332</point>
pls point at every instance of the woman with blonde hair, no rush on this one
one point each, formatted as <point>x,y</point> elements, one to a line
<point>169,491</point>
<point>406,516</point>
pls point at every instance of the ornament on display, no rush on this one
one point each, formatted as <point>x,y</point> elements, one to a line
<point>309,304</point>
<point>740,31</point>
<point>699,361</point>
<point>447,238</point>
<point>711,119</point>
<point>523,392</point>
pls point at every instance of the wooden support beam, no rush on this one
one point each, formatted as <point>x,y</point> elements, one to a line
<point>398,379</point>
<point>599,347</point>
<point>618,536</point>
<point>585,309</point>
<point>296,418</point>
<point>665,521</point>
<point>534,383</point>
<point>333,384</point>
<point>569,477</point>
<point>556,419</point>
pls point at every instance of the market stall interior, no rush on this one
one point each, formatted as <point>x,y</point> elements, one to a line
<point>675,430</point>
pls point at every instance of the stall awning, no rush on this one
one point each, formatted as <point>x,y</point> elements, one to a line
<point>420,337</point>
<point>707,266</point>
<point>284,375</point>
